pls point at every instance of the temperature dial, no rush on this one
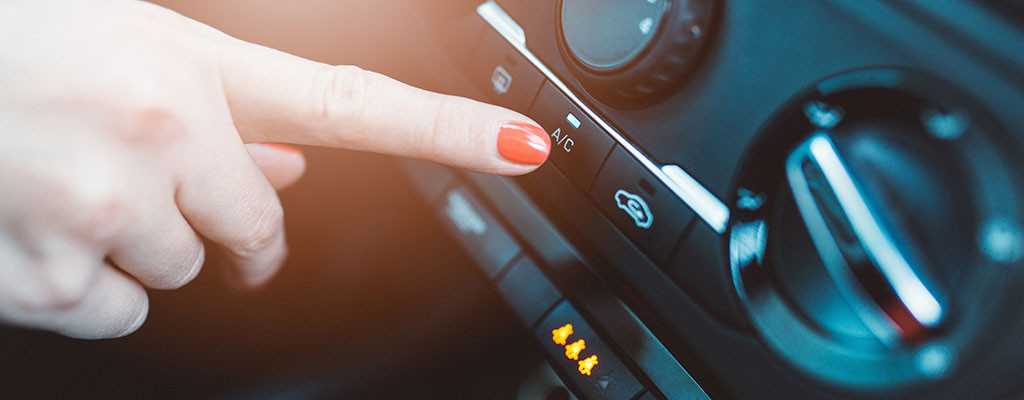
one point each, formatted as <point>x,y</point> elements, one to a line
<point>631,53</point>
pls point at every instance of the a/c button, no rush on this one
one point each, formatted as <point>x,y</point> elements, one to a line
<point>578,146</point>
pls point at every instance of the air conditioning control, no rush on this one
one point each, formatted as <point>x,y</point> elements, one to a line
<point>875,232</point>
<point>631,53</point>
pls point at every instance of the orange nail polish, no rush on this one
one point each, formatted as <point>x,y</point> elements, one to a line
<point>523,143</point>
<point>282,147</point>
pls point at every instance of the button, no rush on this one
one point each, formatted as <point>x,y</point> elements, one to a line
<point>483,236</point>
<point>640,205</point>
<point>583,357</point>
<point>429,178</point>
<point>696,266</point>
<point>503,73</point>
<point>528,291</point>
<point>578,146</point>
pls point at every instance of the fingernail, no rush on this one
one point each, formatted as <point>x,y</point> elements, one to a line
<point>281,147</point>
<point>523,143</point>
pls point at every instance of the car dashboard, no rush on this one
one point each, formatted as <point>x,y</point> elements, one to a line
<point>788,199</point>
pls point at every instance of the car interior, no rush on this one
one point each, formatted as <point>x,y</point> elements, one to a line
<point>792,199</point>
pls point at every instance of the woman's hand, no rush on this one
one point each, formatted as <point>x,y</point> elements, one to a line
<point>130,131</point>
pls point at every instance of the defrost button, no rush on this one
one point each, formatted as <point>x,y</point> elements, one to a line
<point>505,75</point>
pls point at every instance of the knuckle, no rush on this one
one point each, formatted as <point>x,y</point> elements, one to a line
<point>344,95</point>
<point>138,91</point>
<point>103,215</point>
<point>154,123</point>
<point>261,233</point>
<point>45,294</point>
<point>147,115</point>
<point>54,300</point>
<point>84,202</point>
<point>45,300</point>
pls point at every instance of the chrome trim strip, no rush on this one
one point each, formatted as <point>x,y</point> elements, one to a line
<point>704,203</point>
<point>872,238</point>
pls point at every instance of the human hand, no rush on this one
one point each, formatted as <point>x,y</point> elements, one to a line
<point>130,131</point>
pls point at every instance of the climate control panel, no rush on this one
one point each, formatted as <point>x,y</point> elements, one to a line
<point>808,199</point>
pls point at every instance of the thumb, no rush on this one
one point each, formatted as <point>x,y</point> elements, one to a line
<point>277,97</point>
<point>281,165</point>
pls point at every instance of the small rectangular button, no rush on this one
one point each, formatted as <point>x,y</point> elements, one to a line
<point>483,236</point>
<point>583,357</point>
<point>578,145</point>
<point>697,267</point>
<point>640,205</point>
<point>528,291</point>
<point>503,73</point>
<point>429,178</point>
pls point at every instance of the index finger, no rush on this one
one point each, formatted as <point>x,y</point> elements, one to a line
<point>277,97</point>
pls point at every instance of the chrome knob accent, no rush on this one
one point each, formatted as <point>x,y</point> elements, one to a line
<point>864,257</point>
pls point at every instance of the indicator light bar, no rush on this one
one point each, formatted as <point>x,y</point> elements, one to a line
<point>561,335</point>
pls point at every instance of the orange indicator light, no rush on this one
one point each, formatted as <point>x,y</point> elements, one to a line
<point>560,335</point>
<point>573,350</point>
<point>587,365</point>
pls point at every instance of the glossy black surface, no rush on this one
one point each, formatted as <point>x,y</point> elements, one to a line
<point>626,192</point>
<point>763,56</point>
<point>504,73</point>
<point>766,53</point>
<point>483,236</point>
<point>609,378</point>
<point>578,146</point>
<point>528,291</point>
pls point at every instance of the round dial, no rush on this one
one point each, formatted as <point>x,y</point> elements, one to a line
<point>606,35</point>
<point>631,53</point>
<point>872,224</point>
